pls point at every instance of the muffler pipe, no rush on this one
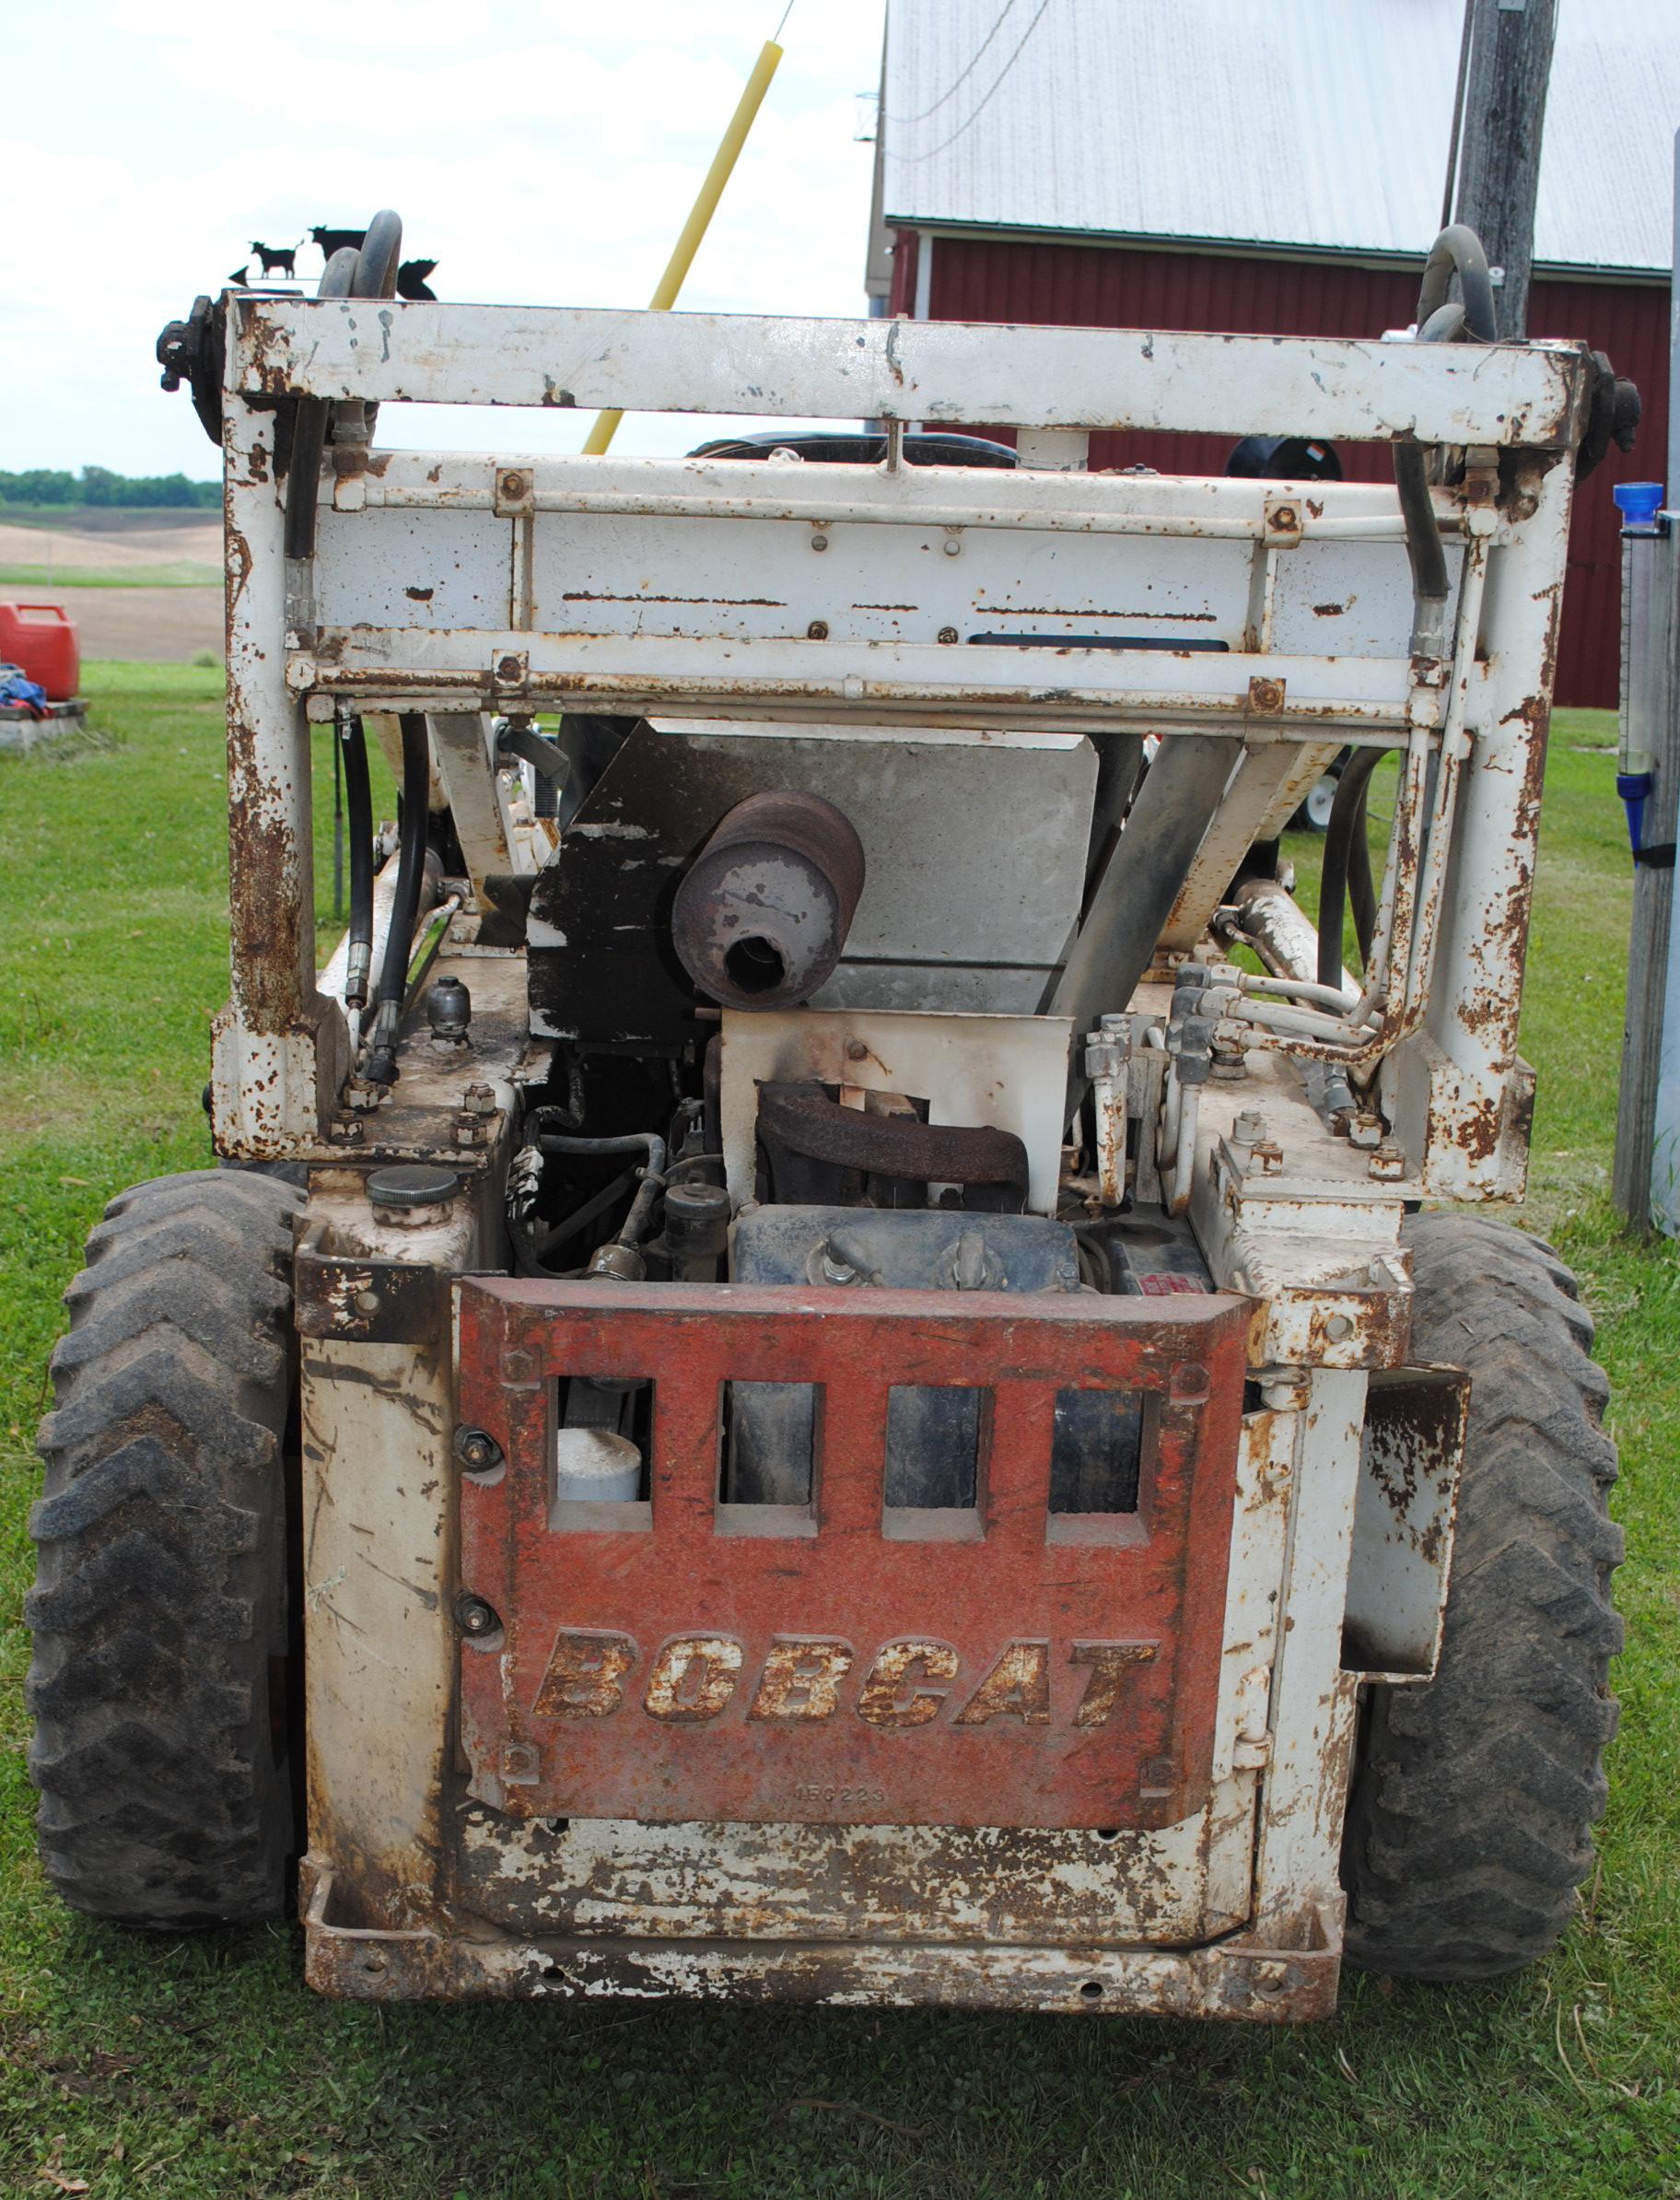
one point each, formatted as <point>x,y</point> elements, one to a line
<point>761,918</point>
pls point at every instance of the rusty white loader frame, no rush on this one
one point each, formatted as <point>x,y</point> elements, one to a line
<point>1011,1750</point>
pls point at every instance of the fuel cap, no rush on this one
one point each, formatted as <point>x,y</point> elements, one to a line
<point>412,1185</point>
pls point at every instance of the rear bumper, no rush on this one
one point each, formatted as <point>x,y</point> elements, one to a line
<point>1239,1977</point>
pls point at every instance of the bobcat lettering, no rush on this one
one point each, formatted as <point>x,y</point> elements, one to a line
<point>910,1681</point>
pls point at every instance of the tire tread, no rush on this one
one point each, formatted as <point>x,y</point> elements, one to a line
<point>1469,1825</point>
<point>159,1598</point>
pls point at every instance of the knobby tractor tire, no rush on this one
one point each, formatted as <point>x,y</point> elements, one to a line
<point>159,1612</point>
<point>1470,1821</point>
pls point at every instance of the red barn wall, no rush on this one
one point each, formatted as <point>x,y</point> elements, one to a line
<point>1111,287</point>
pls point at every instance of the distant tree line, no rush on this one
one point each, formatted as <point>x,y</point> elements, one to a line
<point>98,484</point>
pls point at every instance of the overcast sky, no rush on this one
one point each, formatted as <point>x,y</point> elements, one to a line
<point>544,153</point>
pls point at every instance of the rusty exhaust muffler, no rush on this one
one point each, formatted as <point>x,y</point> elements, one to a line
<point>761,919</point>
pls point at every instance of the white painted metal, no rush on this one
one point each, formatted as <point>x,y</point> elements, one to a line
<point>937,371</point>
<point>910,683</point>
<point>1457,1091</point>
<point>377,1575</point>
<point>462,747</point>
<point>279,1052</point>
<point>1312,1700</point>
<point>1239,153</point>
<point>860,1883</point>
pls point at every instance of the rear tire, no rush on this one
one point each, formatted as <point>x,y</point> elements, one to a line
<point>159,1610</point>
<point>1470,1819</point>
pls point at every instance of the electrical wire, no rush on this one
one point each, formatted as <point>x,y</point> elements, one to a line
<point>913,159</point>
<point>906,121</point>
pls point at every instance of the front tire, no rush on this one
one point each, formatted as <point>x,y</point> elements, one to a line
<point>159,1610</point>
<point>1469,1823</point>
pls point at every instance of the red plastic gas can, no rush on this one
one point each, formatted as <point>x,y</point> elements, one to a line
<point>42,638</point>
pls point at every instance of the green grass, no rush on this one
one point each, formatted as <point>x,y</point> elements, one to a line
<point>204,2069</point>
<point>185,572</point>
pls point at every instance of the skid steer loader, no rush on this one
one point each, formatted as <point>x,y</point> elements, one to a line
<point>833,1355</point>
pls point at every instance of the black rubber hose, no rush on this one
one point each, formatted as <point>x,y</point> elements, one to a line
<point>1458,250</point>
<point>1430,587</point>
<point>375,263</point>
<point>376,277</point>
<point>635,1224</point>
<point>405,902</point>
<point>358,805</point>
<point>310,429</point>
<point>1346,816</point>
<point>1361,885</point>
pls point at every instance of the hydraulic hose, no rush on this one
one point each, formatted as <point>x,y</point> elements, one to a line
<point>376,277</point>
<point>1346,824</point>
<point>375,263</point>
<point>1429,560</point>
<point>635,1226</point>
<point>1361,885</point>
<point>309,428</point>
<point>1457,251</point>
<point>358,805</point>
<point>405,903</point>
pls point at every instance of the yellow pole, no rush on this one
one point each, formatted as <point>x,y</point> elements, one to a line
<point>705,207</point>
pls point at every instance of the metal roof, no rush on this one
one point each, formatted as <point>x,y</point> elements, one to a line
<point>1314,125</point>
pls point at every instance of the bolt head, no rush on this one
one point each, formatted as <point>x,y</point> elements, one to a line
<point>817,630</point>
<point>818,541</point>
<point>948,635</point>
<point>475,1617</point>
<point>476,1449</point>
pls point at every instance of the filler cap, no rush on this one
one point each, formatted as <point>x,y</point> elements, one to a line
<point>412,1185</point>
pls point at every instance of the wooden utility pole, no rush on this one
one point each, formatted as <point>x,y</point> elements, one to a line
<point>1497,139</point>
